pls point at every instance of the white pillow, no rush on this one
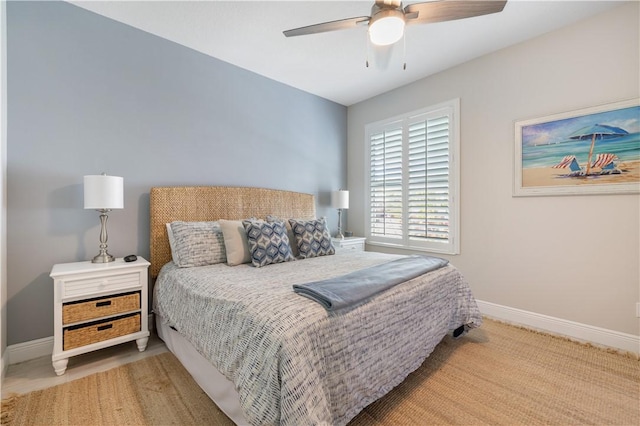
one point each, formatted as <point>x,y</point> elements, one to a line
<point>235,242</point>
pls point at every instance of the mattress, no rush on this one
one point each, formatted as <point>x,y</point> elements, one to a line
<point>291,361</point>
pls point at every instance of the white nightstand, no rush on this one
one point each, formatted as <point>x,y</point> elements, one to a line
<point>97,305</point>
<point>349,243</point>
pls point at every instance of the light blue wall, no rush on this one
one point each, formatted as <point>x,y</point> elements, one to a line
<point>87,94</point>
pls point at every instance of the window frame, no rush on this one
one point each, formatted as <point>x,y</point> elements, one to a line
<point>450,108</point>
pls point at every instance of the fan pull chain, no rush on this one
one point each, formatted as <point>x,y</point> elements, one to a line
<point>404,51</point>
<point>367,50</point>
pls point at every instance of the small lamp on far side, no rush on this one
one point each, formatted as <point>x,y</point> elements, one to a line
<point>103,193</point>
<point>340,200</point>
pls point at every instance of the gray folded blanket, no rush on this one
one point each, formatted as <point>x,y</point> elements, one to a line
<point>347,290</point>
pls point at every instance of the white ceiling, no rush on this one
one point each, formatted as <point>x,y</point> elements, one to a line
<point>332,65</point>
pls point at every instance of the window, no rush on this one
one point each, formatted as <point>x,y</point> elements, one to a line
<point>413,180</point>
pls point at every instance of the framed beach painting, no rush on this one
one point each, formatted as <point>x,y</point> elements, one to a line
<point>589,151</point>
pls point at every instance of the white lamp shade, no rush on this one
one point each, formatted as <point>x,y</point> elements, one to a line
<point>103,192</point>
<point>340,199</point>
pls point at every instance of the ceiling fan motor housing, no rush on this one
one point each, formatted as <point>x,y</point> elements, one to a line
<point>386,25</point>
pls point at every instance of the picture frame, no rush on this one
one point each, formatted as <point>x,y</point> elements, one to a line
<point>593,150</point>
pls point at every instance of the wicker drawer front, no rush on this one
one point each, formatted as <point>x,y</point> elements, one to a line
<point>97,332</point>
<point>85,286</point>
<point>97,308</point>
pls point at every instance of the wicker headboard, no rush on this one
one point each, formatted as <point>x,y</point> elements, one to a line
<point>207,203</point>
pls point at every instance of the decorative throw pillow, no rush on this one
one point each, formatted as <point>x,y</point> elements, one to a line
<point>312,237</point>
<point>197,244</point>
<point>268,242</point>
<point>292,238</point>
<point>172,243</point>
<point>235,241</point>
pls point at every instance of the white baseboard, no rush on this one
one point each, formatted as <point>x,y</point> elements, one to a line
<point>32,349</point>
<point>587,333</point>
<point>4,363</point>
<point>573,330</point>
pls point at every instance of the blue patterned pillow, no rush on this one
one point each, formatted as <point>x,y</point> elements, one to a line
<point>292,238</point>
<point>312,237</point>
<point>197,244</point>
<point>268,242</point>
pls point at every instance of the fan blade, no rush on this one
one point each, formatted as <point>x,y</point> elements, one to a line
<point>449,10</point>
<point>342,24</point>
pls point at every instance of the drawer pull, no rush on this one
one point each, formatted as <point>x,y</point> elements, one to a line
<point>105,327</point>
<point>103,303</point>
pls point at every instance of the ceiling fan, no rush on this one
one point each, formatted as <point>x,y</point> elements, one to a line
<point>388,17</point>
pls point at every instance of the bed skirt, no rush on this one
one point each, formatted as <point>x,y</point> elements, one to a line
<point>221,390</point>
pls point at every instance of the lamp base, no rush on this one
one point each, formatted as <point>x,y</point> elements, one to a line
<point>339,234</point>
<point>103,258</point>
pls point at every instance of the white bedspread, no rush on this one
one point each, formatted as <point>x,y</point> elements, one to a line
<point>293,362</point>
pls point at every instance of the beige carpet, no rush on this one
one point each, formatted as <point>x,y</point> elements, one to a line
<point>494,375</point>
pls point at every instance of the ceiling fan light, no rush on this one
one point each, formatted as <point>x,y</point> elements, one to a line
<point>386,28</point>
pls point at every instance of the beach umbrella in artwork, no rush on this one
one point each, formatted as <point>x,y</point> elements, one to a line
<point>593,132</point>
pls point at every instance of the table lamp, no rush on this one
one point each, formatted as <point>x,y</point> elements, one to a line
<point>103,193</point>
<point>340,200</point>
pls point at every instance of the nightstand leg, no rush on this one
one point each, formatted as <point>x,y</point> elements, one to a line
<point>60,366</point>
<point>142,343</point>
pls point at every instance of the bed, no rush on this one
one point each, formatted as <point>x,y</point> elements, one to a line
<point>267,355</point>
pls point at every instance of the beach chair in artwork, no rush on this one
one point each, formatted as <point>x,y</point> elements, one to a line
<point>570,162</point>
<point>606,163</point>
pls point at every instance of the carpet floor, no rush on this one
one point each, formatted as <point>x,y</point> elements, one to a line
<point>495,375</point>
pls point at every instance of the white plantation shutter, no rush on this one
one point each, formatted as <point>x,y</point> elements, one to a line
<point>428,175</point>
<point>413,180</point>
<point>386,183</point>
